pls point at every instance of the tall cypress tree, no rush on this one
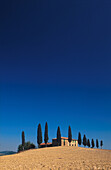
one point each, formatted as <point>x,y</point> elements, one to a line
<point>97,143</point>
<point>69,135</point>
<point>84,141</point>
<point>23,139</point>
<point>46,134</point>
<point>39,134</point>
<point>58,136</point>
<point>101,143</point>
<point>92,142</point>
<point>79,139</point>
<point>88,143</point>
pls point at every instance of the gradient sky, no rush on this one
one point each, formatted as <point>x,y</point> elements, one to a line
<point>55,66</point>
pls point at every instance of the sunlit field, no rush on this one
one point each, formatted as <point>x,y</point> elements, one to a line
<point>61,158</point>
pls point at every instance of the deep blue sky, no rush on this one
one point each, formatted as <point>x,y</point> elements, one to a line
<point>55,66</point>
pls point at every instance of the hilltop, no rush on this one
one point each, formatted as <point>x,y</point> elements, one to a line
<point>58,158</point>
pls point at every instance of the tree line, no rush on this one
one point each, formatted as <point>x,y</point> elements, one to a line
<point>28,145</point>
<point>39,135</point>
<point>86,142</point>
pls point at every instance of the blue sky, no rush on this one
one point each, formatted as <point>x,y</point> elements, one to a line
<point>55,66</point>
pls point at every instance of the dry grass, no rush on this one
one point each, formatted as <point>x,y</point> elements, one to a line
<point>60,158</point>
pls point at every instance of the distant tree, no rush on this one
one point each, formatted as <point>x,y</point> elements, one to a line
<point>92,142</point>
<point>79,139</point>
<point>58,136</point>
<point>84,141</point>
<point>39,134</point>
<point>23,139</point>
<point>88,143</point>
<point>69,135</point>
<point>101,143</point>
<point>97,143</point>
<point>46,134</point>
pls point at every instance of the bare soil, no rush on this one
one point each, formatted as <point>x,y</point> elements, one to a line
<point>58,158</point>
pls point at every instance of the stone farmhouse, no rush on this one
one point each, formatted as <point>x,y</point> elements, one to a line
<point>64,142</point>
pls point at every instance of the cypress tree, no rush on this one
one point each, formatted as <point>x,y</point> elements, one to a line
<point>97,143</point>
<point>69,135</point>
<point>23,139</point>
<point>84,141</point>
<point>88,143</point>
<point>46,134</point>
<point>58,136</point>
<point>101,143</point>
<point>39,134</point>
<point>92,142</point>
<point>79,139</point>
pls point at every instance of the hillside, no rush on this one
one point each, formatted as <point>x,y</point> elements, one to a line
<point>7,153</point>
<point>61,158</point>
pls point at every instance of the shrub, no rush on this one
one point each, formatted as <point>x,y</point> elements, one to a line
<point>32,146</point>
<point>27,146</point>
<point>20,148</point>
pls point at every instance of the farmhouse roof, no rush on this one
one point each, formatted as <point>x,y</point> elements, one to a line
<point>45,144</point>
